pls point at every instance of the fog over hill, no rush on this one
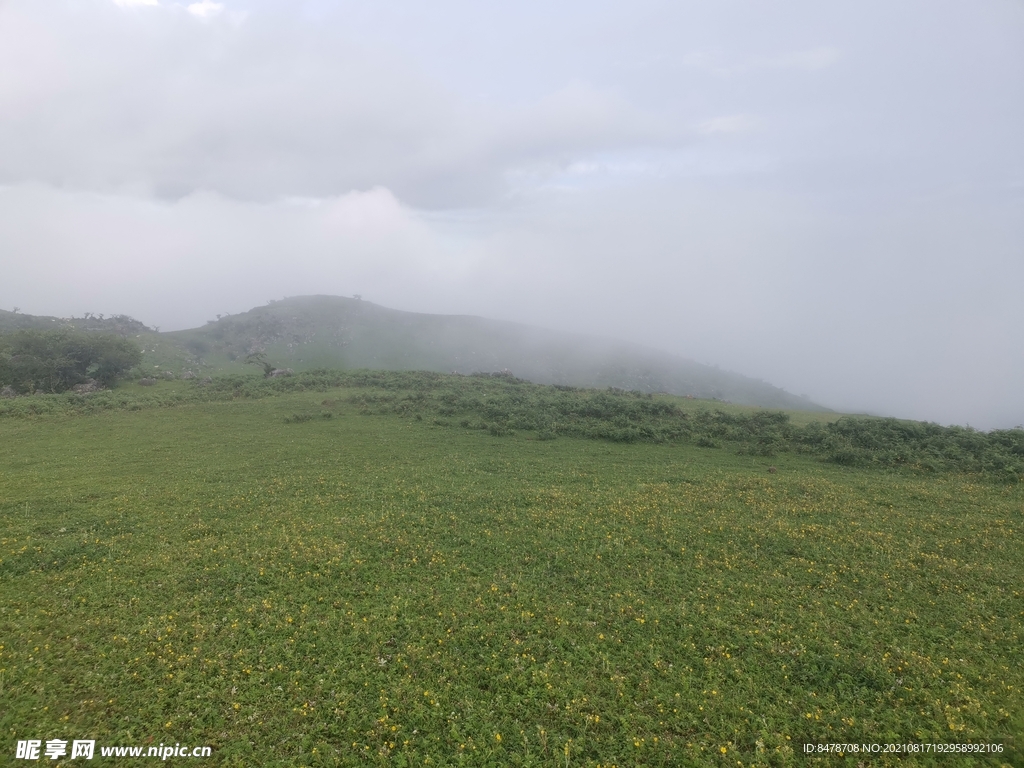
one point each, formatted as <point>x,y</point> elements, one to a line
<point>826,196</point>
<point>305,332</point>
<point>332,331</point>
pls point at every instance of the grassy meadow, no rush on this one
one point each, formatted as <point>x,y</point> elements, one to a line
<point>338,577</point>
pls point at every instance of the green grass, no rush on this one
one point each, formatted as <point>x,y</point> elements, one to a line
<point>501,404</point>
<point>377,589</point>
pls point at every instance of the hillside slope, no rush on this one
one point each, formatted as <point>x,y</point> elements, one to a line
<point>332,331</point>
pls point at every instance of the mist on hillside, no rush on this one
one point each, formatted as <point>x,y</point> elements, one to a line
<point>826,198</point>
<point>316,332</point>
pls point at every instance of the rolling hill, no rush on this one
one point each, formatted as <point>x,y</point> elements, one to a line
<point>332,331</point>
<point>306,332</point>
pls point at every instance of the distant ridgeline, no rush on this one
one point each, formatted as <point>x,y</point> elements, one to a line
<point>503,405</point>
<point>121,325</point>
<point>310,332</point>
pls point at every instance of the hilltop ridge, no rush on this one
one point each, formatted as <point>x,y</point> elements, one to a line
<point>305,332</point>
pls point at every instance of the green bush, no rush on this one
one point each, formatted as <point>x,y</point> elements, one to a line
<point>55,361</point>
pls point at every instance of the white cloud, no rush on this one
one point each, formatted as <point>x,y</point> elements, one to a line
<point>724,64</point>
<point>275,108</point>
<point>713,61</point>
<point>729,124</point>
<point>134,3</point>
<point>205,9</point>
<point>810,60</point>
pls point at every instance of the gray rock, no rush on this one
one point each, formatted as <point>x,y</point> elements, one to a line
<point>8,392</point>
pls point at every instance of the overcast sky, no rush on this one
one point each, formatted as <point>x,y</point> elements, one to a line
<point>827,196</point>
